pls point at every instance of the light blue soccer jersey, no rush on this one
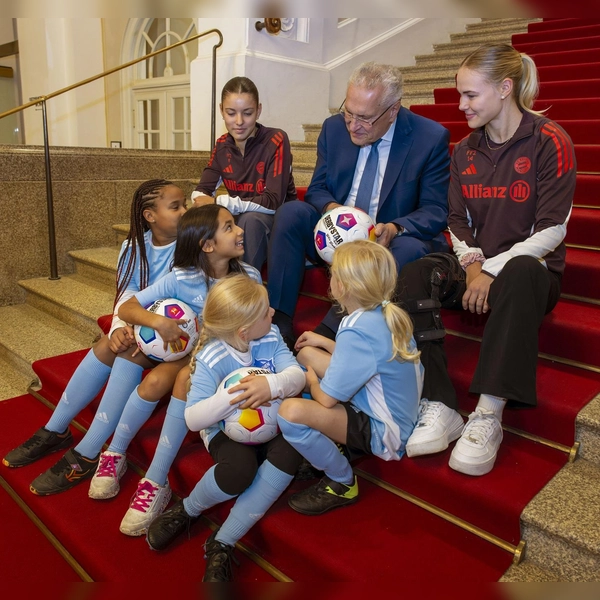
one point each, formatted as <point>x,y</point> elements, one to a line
<point>215,361</point>
<point>160,261</point>
<point>361,373</point>
<point>187,285</point>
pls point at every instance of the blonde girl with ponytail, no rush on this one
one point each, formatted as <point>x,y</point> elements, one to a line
<point>365,385</point>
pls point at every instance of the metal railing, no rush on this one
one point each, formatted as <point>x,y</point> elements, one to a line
<point>42,101</point>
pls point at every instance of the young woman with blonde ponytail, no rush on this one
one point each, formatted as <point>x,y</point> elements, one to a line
<point>510,198</point>
<point>365,385</point>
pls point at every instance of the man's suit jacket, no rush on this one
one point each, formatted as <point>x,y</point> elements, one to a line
<point>414,192</point>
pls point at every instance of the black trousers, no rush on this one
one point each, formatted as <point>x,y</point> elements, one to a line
<point>237,463</point>
<point>522,293</point>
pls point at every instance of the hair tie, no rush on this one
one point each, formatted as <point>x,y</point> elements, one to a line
<point>385,303</point>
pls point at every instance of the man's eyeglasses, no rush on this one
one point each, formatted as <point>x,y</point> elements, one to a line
<point>367,123</point>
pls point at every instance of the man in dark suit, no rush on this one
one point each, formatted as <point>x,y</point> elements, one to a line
<point>406,193</point>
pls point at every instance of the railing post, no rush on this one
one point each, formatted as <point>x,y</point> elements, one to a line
<point>49,199</point>
<point>213,119</point>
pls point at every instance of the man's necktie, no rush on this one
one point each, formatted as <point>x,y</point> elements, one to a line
<point>367,181</point>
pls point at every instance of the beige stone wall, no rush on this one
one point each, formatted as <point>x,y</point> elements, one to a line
<point>92,189</point>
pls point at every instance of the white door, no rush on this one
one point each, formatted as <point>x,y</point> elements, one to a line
<point>162,118</point>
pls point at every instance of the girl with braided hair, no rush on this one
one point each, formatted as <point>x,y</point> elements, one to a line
<point>146,255</point>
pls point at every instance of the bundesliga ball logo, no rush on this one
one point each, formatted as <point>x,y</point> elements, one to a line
<point>151,343</point>
<point>339,225</point>
<point>249,425</point>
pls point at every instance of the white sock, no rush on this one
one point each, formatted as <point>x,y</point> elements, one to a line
<point>494,404</point>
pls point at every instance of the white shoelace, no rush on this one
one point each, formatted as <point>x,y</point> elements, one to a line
<point>429,412</point>
<point>480,427</point>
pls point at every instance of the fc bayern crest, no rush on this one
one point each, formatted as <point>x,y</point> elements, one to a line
<point>346,221</point>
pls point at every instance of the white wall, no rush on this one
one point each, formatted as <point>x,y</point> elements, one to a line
<point>55,53</point>
<point>300,82</point>
<point>10,127</point>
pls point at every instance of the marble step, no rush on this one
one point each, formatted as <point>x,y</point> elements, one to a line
<point>515,25</point>
<point>528,572</point>
<point>587,431</point>
<point>13,382</point>
<point>470,39</point>
<point>561,525</point>
<point>98,265</point>
<point>72,299</point>
<point>304,152</point>
<point>29,333</point>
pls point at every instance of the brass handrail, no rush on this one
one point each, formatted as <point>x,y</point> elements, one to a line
<point>42,100</point>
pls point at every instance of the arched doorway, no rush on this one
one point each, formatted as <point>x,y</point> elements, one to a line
<point>156,99</point>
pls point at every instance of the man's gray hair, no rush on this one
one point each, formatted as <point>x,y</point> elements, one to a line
<point>370,75</point>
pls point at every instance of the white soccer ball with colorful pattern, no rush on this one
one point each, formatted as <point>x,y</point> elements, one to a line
<point>149,340</point>
<point>250,426</point>
<point>340,225</point>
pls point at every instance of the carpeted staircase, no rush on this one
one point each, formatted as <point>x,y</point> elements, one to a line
<point>540,503</point>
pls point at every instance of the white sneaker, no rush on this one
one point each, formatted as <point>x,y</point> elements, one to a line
<point>475,452</point>
<point>105,482</point>
<point>436,427</point>
<point>149,500</point>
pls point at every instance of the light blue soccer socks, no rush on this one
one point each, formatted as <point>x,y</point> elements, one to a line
<point>318,449</point>
<point>125,377</point>
<point>136,412</point>
<point>253,503</point>
<point>205,494</point>
<point>83,387</point>
<point>172,434</point>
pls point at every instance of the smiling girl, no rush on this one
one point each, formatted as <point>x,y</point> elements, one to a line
<point>254,163</point>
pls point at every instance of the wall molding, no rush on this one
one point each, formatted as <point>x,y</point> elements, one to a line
<point>340,60</point>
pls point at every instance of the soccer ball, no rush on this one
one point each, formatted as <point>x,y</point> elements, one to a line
<point>341,224</point>
<point>249,425</point>
<point>149,340</point>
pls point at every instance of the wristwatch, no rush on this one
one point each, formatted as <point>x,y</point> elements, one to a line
<point>400,229</point>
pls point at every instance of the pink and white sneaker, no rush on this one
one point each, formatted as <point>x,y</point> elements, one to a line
<point>105,482</point>
<point>149,500</point>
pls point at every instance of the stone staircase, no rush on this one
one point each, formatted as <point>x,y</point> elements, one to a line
<point>560,525</point>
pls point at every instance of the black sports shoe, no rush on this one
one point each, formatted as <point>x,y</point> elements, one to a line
<point>323,496</point>
<point>168,526</point>
<point>218,560</point>
<point>70,470</point>
<point>40,444</point>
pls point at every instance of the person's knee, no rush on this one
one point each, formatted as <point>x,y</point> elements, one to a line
<point>152,387</point>
<point>234,477</point>
<point>293,218</point>
<point>522,264</point>
<point>293,410</point>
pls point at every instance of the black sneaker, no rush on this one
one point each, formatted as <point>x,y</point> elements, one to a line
<point>323,496</point>
<point>168,526</point>
<point>70,470</point>
<point>40,444</point>
<point>218,560</point>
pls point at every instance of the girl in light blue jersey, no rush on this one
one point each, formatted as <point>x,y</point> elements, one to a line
<point>370,383</point>
<point>146,255</point>
<point>237,332</point>
<point>209,247</point>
